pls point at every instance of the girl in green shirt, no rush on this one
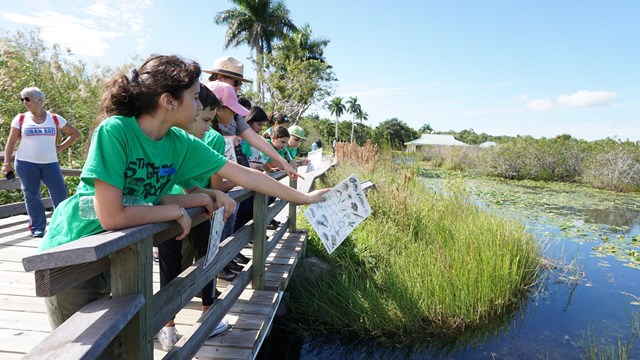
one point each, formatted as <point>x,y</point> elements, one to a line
<point>137,154</point>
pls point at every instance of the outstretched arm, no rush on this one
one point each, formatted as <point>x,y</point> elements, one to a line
<point>261,144</point>
<point>259,182</point>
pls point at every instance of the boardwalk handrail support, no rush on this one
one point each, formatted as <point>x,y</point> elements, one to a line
<point>127,254</point>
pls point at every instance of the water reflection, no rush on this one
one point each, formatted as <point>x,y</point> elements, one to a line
<point>588,288</point>
<point>615,217</point>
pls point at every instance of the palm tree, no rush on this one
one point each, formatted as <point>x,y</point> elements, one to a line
<point>353,108</point>
<point>362,115</point>
<point>337,108</point>
<point>301,44</point>
<point>257,23</point>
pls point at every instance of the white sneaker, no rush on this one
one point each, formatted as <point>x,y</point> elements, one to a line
<point>222,326</point>
<point>168,337</point>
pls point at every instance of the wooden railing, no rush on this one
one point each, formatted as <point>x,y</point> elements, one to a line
<point>123,327</point>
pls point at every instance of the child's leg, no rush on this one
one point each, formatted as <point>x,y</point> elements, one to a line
<point>170,262</point>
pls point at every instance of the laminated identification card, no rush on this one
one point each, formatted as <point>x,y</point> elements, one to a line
<point>217,225</point>
<point>345,207</point>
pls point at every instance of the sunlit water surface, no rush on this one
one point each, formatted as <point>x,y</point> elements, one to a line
<point>591,240</point>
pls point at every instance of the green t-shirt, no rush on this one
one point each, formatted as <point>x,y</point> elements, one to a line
<point>290,152</point>
<point>145,169</point>
<point>246,148</point>
<point>266,159</point>
<point>215,141</point>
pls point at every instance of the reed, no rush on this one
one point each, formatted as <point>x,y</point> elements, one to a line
<point>422,265</point>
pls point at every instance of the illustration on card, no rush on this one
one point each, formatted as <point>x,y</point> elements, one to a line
<point>229,150</point>
<point>345,207</point>
<point>217,225</point>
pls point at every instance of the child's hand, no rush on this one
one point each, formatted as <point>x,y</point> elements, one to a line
<point>316,196</point>
<point>225,200</point>
<point>291,171</point>
<point>185,222</point>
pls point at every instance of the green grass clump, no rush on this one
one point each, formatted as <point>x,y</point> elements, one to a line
<point>422,265</point>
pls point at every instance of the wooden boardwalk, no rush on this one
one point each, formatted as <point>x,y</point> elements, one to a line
<point>24,324</point>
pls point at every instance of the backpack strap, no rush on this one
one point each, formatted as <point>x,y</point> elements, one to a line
<point>20,121</point>
<point>55,120</point>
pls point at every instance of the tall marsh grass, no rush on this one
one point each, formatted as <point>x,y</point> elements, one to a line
<point>422,265</point>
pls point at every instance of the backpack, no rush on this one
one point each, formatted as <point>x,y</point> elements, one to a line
<point>55,120</point>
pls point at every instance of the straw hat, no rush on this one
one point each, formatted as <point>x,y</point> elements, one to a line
<point>228,66</point>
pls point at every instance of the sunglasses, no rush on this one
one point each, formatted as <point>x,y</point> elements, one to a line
<point>237,83</point>
<point>26,98</point>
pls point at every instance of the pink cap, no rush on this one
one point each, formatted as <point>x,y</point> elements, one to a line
<point>227,95</point>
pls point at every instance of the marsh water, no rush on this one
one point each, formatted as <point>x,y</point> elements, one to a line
<point>586,303</point>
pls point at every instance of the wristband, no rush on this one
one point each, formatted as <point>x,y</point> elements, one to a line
<point>183,212</point>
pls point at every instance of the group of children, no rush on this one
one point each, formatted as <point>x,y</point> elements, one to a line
<point>152,154</point>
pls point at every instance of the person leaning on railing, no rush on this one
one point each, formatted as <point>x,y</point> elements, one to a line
<point>137,153</point>
<point>37,156</point>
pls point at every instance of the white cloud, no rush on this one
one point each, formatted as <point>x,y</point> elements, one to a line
<point>536,105</point>
<point>539,105</point>
<point>585,98</point>
<point>91,30</point>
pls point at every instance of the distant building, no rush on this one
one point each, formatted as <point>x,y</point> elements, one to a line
<point>433,140</point>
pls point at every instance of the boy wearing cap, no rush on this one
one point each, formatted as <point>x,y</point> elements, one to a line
<point>291,150</point>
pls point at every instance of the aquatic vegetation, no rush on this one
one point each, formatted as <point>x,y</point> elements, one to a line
<point>422,265</point>
<point>609,220</point>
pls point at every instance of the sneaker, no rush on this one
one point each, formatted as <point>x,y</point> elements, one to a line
<point>38,233</point>
<point>273,224</point>
<point>168,337</point>
<point>222,326</point>
<point>233,266</point>
<point>226,274</point>
<point>241,259</point>
<point>216,293</point>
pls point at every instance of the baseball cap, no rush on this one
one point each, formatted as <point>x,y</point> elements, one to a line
<point>297,131</point>
<point>227,95</point>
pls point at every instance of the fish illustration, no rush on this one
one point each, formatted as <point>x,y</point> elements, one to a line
<point>321,223</point>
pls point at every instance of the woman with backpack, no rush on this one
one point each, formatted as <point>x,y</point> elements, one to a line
<point>37,156</point>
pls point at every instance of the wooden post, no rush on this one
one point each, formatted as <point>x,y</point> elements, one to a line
<point>131,273</point>
<point>292,208</point>
<point>259,240</point>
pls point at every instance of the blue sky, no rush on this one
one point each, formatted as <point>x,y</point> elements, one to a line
<point>539,68</point>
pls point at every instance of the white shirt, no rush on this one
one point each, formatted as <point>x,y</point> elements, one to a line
<point>38,141</point>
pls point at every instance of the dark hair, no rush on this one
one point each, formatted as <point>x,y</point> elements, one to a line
<point>208,98</point>
<point>256,114</point>
<point>138,93</point>
<point>277,118</point>
<point>279,132</point>
<point>244,102</point>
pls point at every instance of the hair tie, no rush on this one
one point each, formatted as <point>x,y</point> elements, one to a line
<point>133,75</point>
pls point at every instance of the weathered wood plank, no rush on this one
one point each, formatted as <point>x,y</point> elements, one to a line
<point>75,340</point>
<point>259,246</point>
<point>27,321</point>
<point>18,208</point>
<point>19,341</point>
<point>130,268</point>
<point>51,282</point>
<point>20,303</point>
